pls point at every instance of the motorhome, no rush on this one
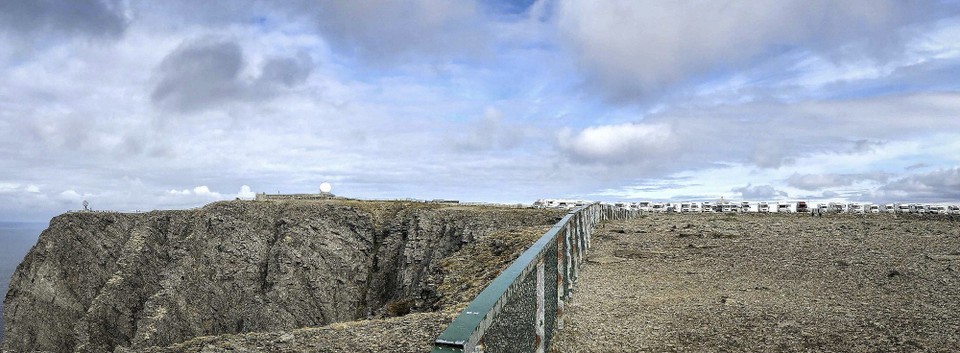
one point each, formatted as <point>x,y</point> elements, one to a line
<point>953,209</point>
<point>763,207</point>
<point>685,207</point>
<point>802,207</point>
<point>783,207</point>
<point>726,207</point>
<point>903,208</point>
<point>823,208</point>
<point>874,208</point>
<point>889,208</point>
<point>745,206</point>
<point>855,208</point>
<point>838,207</point>
<point>918,208</point>
<point>695,207</point>
<point>645,206</point>
<point>657,207</point>
<point>938,209</point>
<point>708,207</point>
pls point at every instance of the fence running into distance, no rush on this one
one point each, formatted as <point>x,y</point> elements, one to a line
<point>521,308</point>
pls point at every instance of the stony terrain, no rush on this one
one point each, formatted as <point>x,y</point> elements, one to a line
<point>769,283</point>
<point>241,275</point>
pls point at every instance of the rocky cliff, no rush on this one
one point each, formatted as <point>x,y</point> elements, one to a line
<point>98,281</point>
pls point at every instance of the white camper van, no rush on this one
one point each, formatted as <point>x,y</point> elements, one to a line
<point>708,207</point>
<point>855,208</point>
<point>763,207</point>
<point>889,208</point>
<point>874,208</point>
<point>726,207</point>
<point>838,207</point>
<point>953,209</point>
<point>745,206</point>
<point>783,207</point>
<point>645,206</point>
<point>903,208</point>
<point>695,207</point>
<point>823,208</point>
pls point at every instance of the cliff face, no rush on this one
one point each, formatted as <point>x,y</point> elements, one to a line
<point>97,281</point>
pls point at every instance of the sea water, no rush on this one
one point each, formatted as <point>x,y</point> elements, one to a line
<point>16,239</point>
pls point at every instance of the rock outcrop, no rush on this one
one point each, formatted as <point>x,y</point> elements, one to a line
<point>98,281</point>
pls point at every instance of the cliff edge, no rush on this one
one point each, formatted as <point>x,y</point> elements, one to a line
<point>97,282</point>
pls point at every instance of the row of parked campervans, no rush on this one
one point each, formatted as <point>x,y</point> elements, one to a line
<point>888,208</point>
<point>713,207</point>
<point>556,203</point>
<point>798,206</point>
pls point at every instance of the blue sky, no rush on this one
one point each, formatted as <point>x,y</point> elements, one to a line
<point>136,105</point>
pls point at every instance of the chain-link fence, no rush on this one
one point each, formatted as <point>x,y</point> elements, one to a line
<point>520,310</point>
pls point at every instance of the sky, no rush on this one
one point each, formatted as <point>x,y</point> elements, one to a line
<point>141,105</point>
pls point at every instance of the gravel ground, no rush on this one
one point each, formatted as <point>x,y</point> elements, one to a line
<point>768,283</point>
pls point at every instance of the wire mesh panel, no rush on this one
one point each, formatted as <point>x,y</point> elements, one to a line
<point>550,293</point>
<point>512,329</point>
<point>522,308</point>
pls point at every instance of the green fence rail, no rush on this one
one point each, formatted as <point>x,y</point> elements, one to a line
<point>520,310</point>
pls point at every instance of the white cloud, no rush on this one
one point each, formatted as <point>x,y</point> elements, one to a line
<point>616,143</point>
<point>71,195</point>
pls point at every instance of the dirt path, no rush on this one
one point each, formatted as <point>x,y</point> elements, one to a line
<point>762,283</point>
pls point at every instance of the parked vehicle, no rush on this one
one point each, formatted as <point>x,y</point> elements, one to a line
<point>695,207</point>
<point>823,208</point>
<point>708,207</point>
<point>802,207</point>
<point>918,208</point>
<point>953,209</point>
<point>763,207</point>
<point>855,208</point>
<point>838,207</point>
<point>904,208</point>
<point>726,207</point>
<point>889,208</point>
<point>874,208</point>
<point>745,206</point>
<point>937,209</point>
<point>645,206</point>
<point>658,207</point>
<point>783,207</point>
